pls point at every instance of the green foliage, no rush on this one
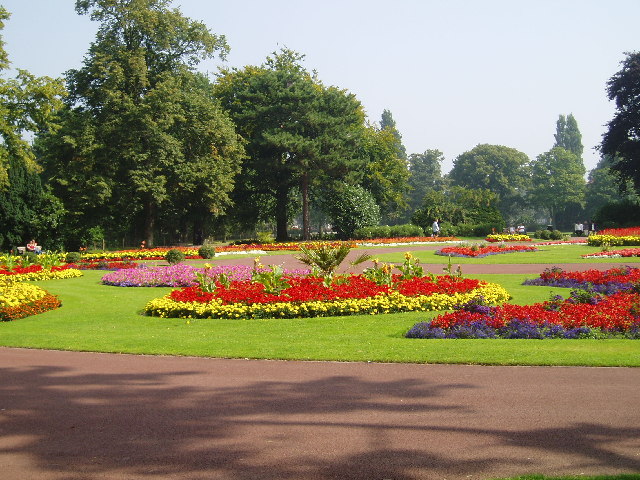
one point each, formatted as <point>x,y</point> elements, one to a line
<point>559,185</point>
<point>461,211</point>
<point>425,173</point>
<point>502,170</point>
<point>549,234</point>
<point>144,140</point>
<point>385,231</point>
<point>300,136</point>
<point>623,213</point>
<point>174,256</point>
<point>568,135</point>
<point>73,257</point>
<point>273,279</point>
<point>621,141</point>
<point>325,259</point>
<point>27,105</point>
<point>351,207</point>
<point>207,251</point>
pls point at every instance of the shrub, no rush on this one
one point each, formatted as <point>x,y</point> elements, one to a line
<point>556,235</point>
<point>72,257</point>
<point>207,251</point>
<point>406,230</point>
<point>352,207</point>
<point>174,256</point>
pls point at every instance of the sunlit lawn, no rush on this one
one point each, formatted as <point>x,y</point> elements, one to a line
<point>546,254</point>
<point>95,317</point>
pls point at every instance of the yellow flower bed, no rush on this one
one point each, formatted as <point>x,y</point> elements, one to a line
<point>140,254</point>
<point>42,275</point>
<point>614,241</point>
<point>19,293</point>
<point>392,303</point>
<point>503,237</point>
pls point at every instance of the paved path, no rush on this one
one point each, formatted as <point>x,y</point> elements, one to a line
<point>288,260</point>
<point>86,416</point>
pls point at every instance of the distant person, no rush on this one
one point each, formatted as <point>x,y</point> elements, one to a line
<point>32,246</point>
<point>435,228</point>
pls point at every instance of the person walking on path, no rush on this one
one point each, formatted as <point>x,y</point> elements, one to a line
<point>435,228</point>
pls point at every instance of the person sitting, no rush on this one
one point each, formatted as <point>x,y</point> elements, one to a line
<point>32,246</point>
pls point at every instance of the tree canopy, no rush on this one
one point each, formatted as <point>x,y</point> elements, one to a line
<point>502,170</point>
<point>27,105</point>
<point>143,132</point>
<point>300,135</point>
<point>621,141</point>
<point>568,135</point>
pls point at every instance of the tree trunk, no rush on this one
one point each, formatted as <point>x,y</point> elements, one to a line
<point>304,188</point>
<point>149,222</point>
<point>198,230</point>
<point>282,199</point>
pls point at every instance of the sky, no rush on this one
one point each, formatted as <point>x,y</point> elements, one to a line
<point>453,73</point>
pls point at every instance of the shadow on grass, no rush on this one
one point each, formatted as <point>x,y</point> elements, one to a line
<point>190,423</point>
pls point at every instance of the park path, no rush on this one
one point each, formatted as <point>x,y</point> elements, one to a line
<point>288,260</point>
<point>86,416</point>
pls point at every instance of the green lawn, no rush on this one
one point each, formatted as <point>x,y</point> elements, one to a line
<point>546,254</point>
<point>95,317</point>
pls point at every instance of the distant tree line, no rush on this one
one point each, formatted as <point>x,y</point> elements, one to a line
<point>137,145</point>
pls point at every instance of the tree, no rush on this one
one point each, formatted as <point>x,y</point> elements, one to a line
<point>143,129</point>
<point>385,172</point>
<point>425,173</point>
<point>351,207</point>
<point>475,210</point>
<point>621,141</point>
<point>568,135</point>
<point>300,135</point>
<point>559,185</point>
<point>502,170</point>
<point>389,124</point>
<point>27,105</point>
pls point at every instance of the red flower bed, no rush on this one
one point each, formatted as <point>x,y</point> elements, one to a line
<point>308,289</point>
<point>483,251</point>
<point>615,312</point>
<point>621,232</point>
<point>626,252</point>
<point>44,304</point>
<point>31,269</point>
<point>597,277</point>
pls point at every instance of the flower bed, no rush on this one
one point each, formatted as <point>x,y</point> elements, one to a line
<point>607,281</point>
<point>35,273</point>
<point>310,297</point>
<point>179,275</point>
<point>616,237</point>
<point>626,252</point>
<point>403,240</point>
<point>20,300</point>
<point>576,317</point>
<point>501,237</point>
<point>478,252</point>
<point>104,265</point>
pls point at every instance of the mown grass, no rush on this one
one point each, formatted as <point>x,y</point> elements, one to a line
<point>554,254</point>
<point>100,318</point>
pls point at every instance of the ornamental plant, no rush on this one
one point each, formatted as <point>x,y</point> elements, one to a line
<point>20,300</point>
<point>207,251</point>
<point>309,296</point>
<point>174,256</point>
<point>503,237</point>
<point>582,315</point>
<point>607,282</point>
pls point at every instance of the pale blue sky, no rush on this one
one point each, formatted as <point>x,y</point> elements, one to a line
<point>453,73</point>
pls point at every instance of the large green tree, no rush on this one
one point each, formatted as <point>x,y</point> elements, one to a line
<point>27,105</point>
<point>621,141</point>
<point>300,134</point>
<point>568,135</point>
<point>143,131</point>
<point>425,173</point>
<point>558,185</point>
<point>502,170</point>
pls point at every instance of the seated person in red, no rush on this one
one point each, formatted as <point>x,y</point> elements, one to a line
<point>32,246</point>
